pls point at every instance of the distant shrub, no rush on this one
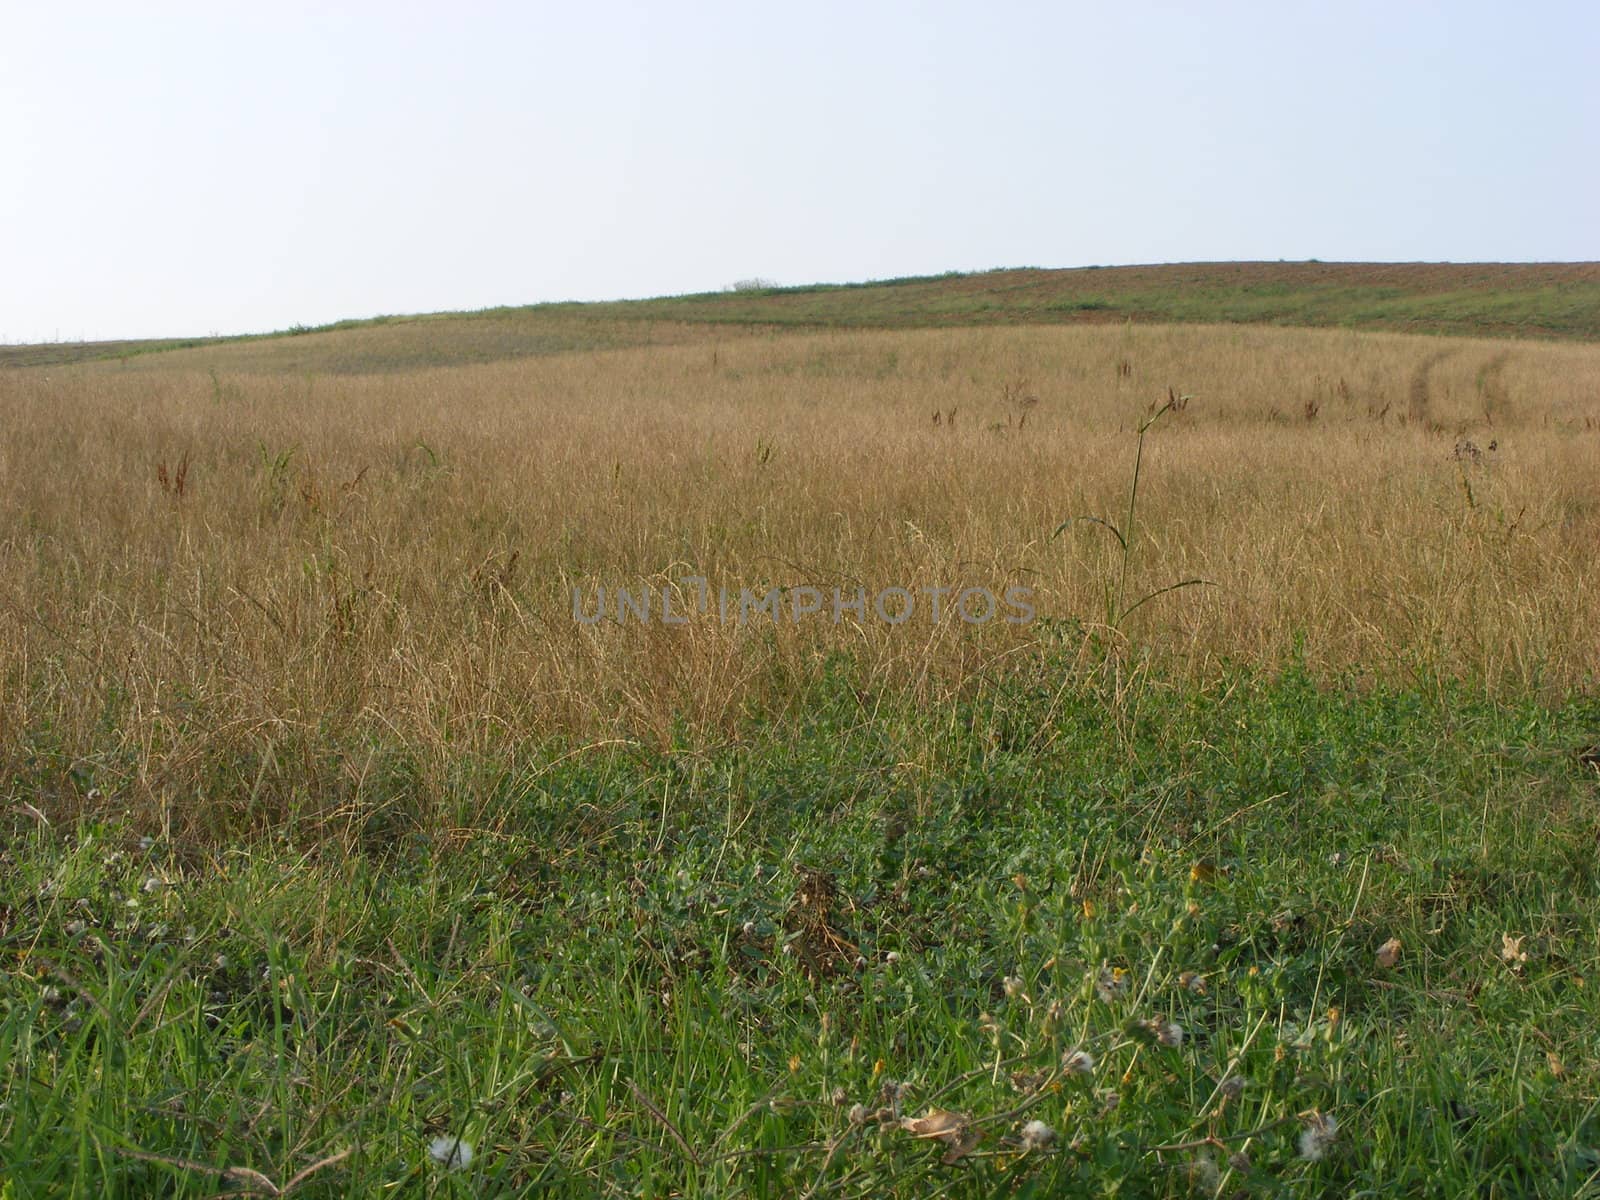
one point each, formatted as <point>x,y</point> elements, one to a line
<point>753,284</point>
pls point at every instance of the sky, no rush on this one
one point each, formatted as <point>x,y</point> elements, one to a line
<point>181,169</point>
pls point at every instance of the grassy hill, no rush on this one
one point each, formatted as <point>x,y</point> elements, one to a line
<point>1536,300</point>
<point>1521,299</point>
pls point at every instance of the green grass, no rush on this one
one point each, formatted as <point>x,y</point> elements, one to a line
<point>1554,300</point>
<point>624,972</point>
<point>56,354</point>
<point>1543,300</point>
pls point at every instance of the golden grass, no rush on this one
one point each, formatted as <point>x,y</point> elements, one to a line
<point>395,345</point>
<point>387,559</point>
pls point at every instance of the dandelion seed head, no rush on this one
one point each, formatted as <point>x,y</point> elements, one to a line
<point>1203,1175</point>
<point>1112,983</point>
<point>1320,1132</point>
<point>451,1153</point>
<point>1036,1135</point>
<point>1078,1062</point>
<point>1168,1033</point>
<point>1054,1015</point>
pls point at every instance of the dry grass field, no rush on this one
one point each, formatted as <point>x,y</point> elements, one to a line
<point>343,853</point>
<point>224,569</point>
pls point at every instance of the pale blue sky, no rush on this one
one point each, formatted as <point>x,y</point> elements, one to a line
<point>194,168</point>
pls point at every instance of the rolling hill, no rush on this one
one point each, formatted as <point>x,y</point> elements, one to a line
<point>1534,300</point>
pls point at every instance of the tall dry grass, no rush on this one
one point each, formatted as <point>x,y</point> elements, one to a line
<point>225,593</point>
